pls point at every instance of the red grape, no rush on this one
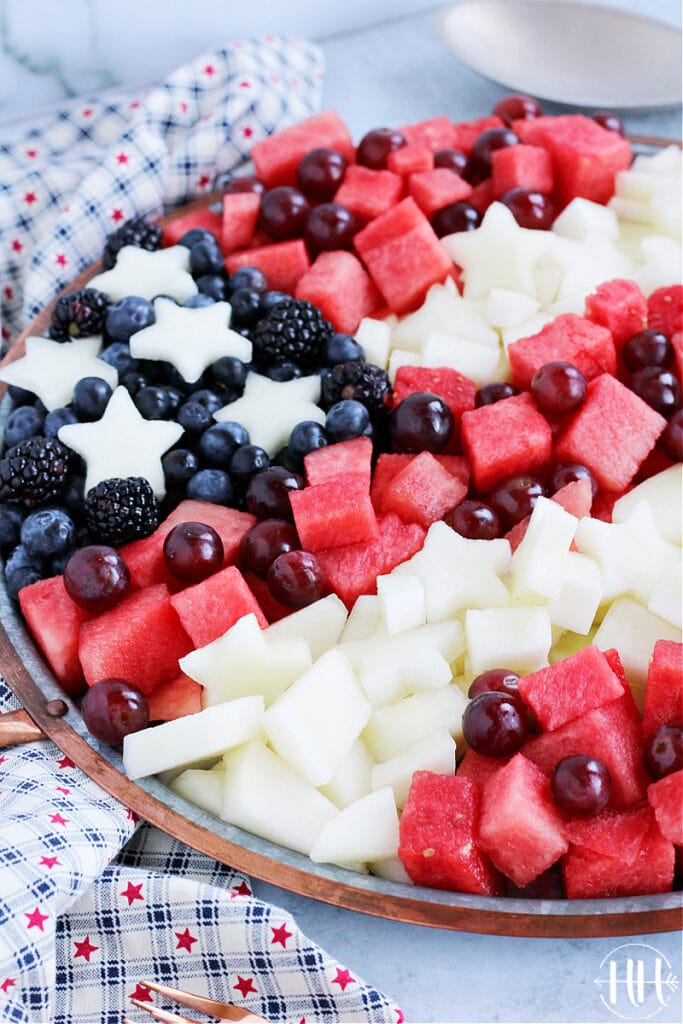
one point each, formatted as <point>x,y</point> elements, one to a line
<point>320,173</point>
<point>247,183</point>
<point>460,216</point>
<point>479,164</point>
<point>581,784</point>
<point>495,724</point>
<point>262,544</point>
<point>647,348</point>
<point>474,520</point>
<point>193,551</point>
<point>558,387</point>
<point>374,148</point>
<point>514,498</point>
<point>663,752</point>
<point>530,209</point>
<point>284,212</point>
<point>453,159</point>
<point>517,107</point>
<point>421,422</point>
<point>612,122</point>
<point>330,226</point>
<point>496,680</point>
<point>296,579</point>
<point>671,439</point>
<point>659,388</point>
<point>113,708</point>
<point>96,577</point>
<point>497,391</point>
<point>567,472</point>
<point>267,495</point>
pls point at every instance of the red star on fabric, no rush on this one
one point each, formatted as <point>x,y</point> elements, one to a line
<point>49,862</point>
<point>209,69</point>
<point>245,985</point>
<point>31,153</point>
<point>66,762</point>
<point>16,245</point>
<point>185,940</point>
<point>57,819</point>
<point>85,949</point>
<point>7,984</point>
<point>134,105</point>
<point>183,107</point>
<point>280,935</point>
<point>245,85</point>
<point>5,333</point>
<point>117,215</point>
<point>30,197</point>
<point>132,893</point>
<point>63,789</point>
<point>122,158</point>
<point>61,260</point>
<point>247,132</point>
<point>142,994</point>
<point>132,816</point>
<point>242,889</point>
<point>88,112</point>
<point>400,1019</point>
<point>204,181</point>
<point>9,294</point>
<point>36,919</point>
<point>343,978</point>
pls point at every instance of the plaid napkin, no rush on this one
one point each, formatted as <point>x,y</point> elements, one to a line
<point>89,904</point>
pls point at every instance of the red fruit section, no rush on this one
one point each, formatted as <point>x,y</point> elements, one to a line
<point>55,622</point>
<point>338,284</point>
<point>181,696</point>
<point>283,263</point>
<point>666,799</point>
<point>277,157</point>
<point>208,609</point>
<point>611,831</point>
<point>204,218</point>
<point>466,133</point>
<point>423,491</point>
<point>240,213</point>
<point>506,438</point>
<point>437,836</point>
<point>432,190</point>
<point>665,310</point>
<point>569,337</point>
<point>271,608</point>
<point>140,641</point>
<point>576,497</point>
<point>479,769</point>
<point>590,875</point>
<point>410,159</point>
<point>354,456</point>
<point>457,391</point>
<point>435,133</point>
<point>334,514</point>
<point>388,466</point>
<point>570,688</point>
<point>520,826</point>
<point>528,167</point>
<point>620,306</point>
<point>367,193</point>
<point>664,689</point>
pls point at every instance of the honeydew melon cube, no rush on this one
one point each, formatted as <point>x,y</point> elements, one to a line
<point>374,337</point>
<point>667,597</point>
<point>659,271</point>
<point>243,662</point>
<point>634,184</point>
<point>443,310</point>
<point>633,630</point>
<point>537,565</point>
<point>203,787</point>
<point>363,619</point>
<point>351,781</point>
<point>472,358</point>
<point>395,727</point>
<point>579,595</point>
<point>402,357</point>
<point>582,217</point>
<point>638,211</point>
<point>664,161</point>
<point>662,493</point>
<point>365,830</point>
<point>388,671</point>
<point>537,321</point>
<point>506,309</point>
<point>265,796</point>
<point>433,753</point>
<point>320,624</point>
<point>391,870</point>
<point>192,738</point>
<point>548,283</point>
<point>585,263</point>
<point>518,638</point>
<point>401,602</point>
<point>316,721</point>
<point>666,210</point>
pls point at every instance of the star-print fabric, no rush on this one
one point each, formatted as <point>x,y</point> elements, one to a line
<point>92,905</point>
<point>78,174</point>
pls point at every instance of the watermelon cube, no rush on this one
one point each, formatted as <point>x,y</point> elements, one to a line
<point>665,310</point>
<point>570,688</point>
<point>140,640</point>
<point>611,433</point>
<point>588,874</point>
<point>55,622</point>
<point>610,831</point>
<point>175,699</point>
<point>423,491</point>
<point>664,688</point>
<point>666,799</point>
<point>367,193</point>
<point>482,196</point>
<point>620,306</point>
<point>520,826</point>
<point>240,213</point>
<point>283,263</point>
<point>457,391</point>
<point>388,466</point>
<point>277,157</point>
<point>436,133</point>
<point>466,133</point>
<point>338,284</point>
<point>403,255</point>
<point>576,497</point>
<point>410,159</point>
<point>208,609</point>
<point>571,338</point>
<point>325,464</point>
<point>478,768</point>
<point>334,514</point>
<point>203,217</point>
<point>437,836</point>
<point>432,190</point>
<point>528,167</point>
<point>506,438</point>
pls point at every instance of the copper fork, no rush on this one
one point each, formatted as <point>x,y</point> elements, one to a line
<point>220,1011</point>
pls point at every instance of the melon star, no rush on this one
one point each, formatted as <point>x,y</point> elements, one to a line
<point>269,410</point>
<point>122,443</point>
<point>148,274</point>
<point>190,339</point>
<point>51,369</point>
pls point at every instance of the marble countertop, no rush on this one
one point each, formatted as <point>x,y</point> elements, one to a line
<point>385,65</point>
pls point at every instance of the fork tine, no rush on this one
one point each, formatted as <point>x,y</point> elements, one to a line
<point>223,1011</point>
<point>164,1015</point>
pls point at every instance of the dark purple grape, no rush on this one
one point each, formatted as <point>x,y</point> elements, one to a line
<point>421,422</point>
<point>671,439</point>
<point>246,183</point>
<point>558,388</point>
<point>581,784</point>
<point>320,173</point>
<point>296,579</point>
<point>517,107</point>
<point>113,708</point>
<point>495,724</point>
<point>531,209</point>
<point>330,226</point>
<point>567,473</point>
<point>267,495</point>
<point>284,212</point>
<point>193,551</point>
<point>514,498</point>
<point>453,159</point>
<point>262,544</point>
<point>374,148</point>
<point>612,122</point>
<point>497,391</point>
<point>479,164</point>
<point>474,520</point>
<point>496,680</point>
<point>663,753</point>
<point>96,577</point>
<point>647,348</point>
<point>455,217</point>
<point>659,388</point>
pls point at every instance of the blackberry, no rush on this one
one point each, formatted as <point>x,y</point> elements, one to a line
<point>293,330</point>
<point>360,382</point>
<point>135,231</point>
<point>34,472</point>
<point>79,314</point>
<point>121,509</point>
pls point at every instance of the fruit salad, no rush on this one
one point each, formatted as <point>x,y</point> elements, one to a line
<point>351,504</point>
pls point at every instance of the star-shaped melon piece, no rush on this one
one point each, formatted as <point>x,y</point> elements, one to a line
<point>51,369</point>
<point>122,443</point>
<point>270,409</point>
<point>190,339</point>
<point>148,274</point>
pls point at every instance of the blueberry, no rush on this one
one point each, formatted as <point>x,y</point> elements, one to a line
<point>194,235</point>
<point>11,517</point>
<point>248,460</point>
<point>228,372</point>
<point>23,423</point>
<point>154,403</point>
<point>213,285</point>
<point>211,485</point>
<point>206,258</point>
<point>271,299</point>
<point>74,494</point>
<point>342,348</point>
<point>217,444</point>
<point>246,306</point>
<point>248,277</point>
<point>283,371</point>
<point>194,417</point>
<point>58,418</point>
<point>16,581</point>
<point>128,316</point>
<point>347,419</point>
<point>58,563</point>
<point>209,399</point>
<point>47,532</point>
<point>19,558</point>
<point>20,396</point>
<point>199,300</point>
<point>179,466</point>
<point>134,382</point>
<point>174,396</point>
<point>90,398</point>
<point>304,438</point>
<point>118,355</point>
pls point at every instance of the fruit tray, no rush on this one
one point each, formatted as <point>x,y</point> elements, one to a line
<point>58,718</point>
